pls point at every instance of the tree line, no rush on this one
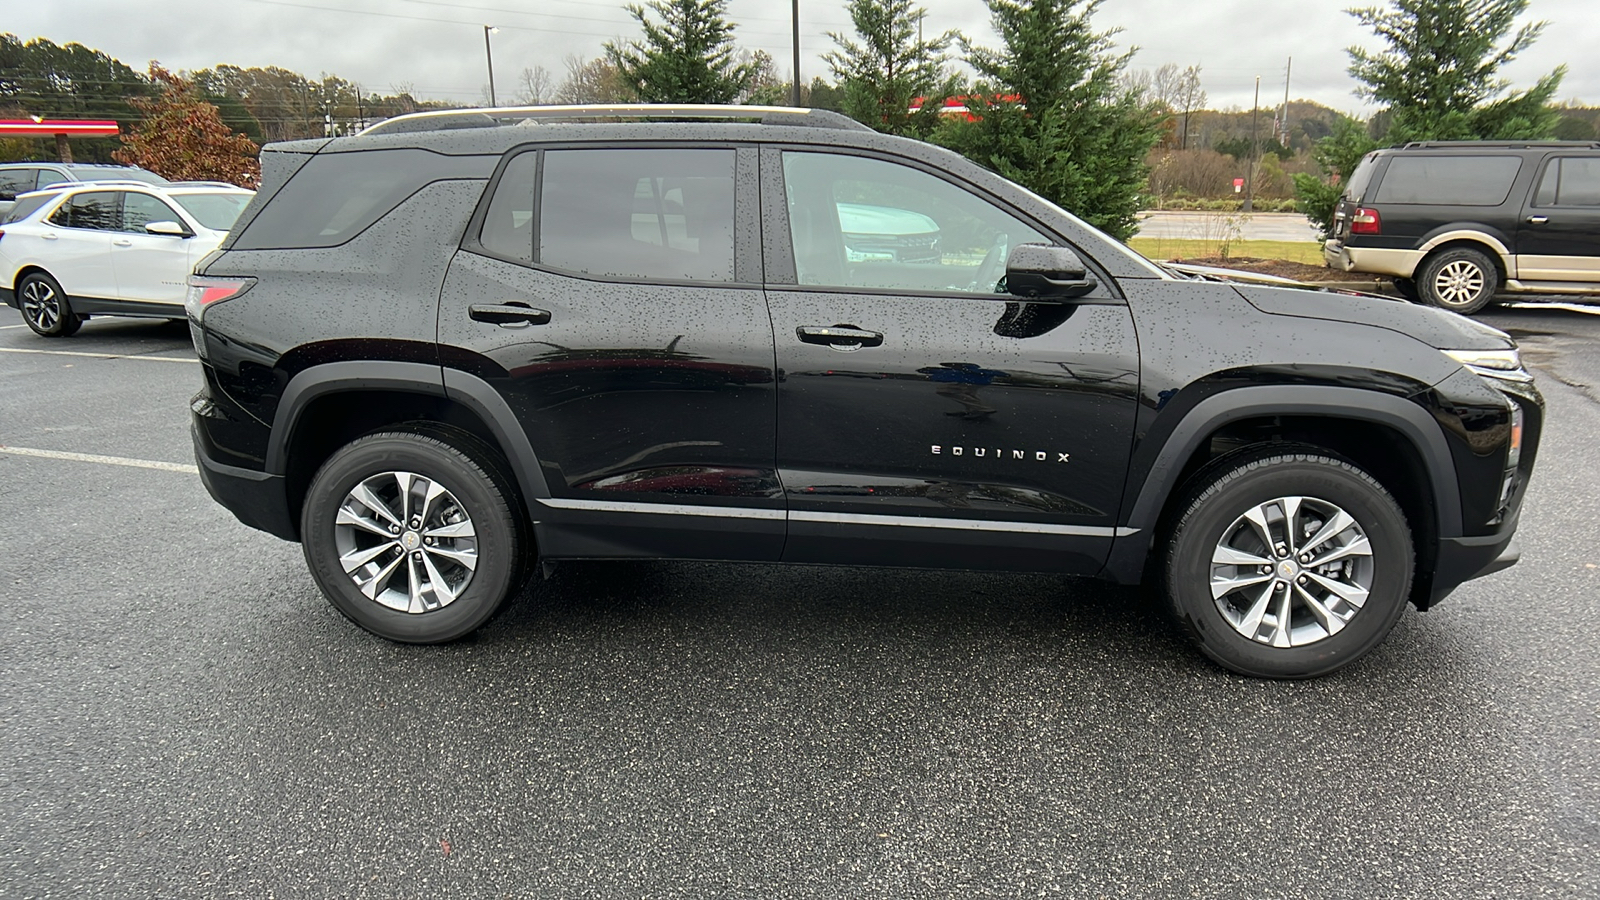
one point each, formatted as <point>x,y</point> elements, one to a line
<point>1053,106</point>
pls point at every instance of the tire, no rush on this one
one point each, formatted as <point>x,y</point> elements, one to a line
<point>1407,288</point>
<point>1233,611</point>
<point>45,306</point>
<point>457,583</point>
<point>1460,280</point>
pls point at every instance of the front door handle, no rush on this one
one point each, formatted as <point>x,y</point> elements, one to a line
<point>839,337</point>
<point>123,242</point>
<point>508,315</point>
<point>1538,220</point>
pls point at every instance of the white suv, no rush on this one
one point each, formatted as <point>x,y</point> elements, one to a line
<point>110,248</point>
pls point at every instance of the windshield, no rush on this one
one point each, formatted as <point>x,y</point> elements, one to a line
<point>114,173</point>
<point>215,211</point>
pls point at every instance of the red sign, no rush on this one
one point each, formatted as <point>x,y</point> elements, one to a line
<point>48,127</point>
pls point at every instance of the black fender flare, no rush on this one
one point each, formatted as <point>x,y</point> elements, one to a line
<point>1408,418</point>
<point>472,392</point>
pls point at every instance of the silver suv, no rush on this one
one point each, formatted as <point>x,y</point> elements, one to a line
<point>22,177</point>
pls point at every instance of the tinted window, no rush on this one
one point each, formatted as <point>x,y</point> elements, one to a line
<point>25,207</point>
<point>508,227</point>
<point>217,211</point>
<point>664,214</point>
<point>867,223</point>
<point>1570,181</point>
<point>139,210</point>
<point>116,173</point>
<point>1449,180</point>
<point>336,196</point>
<point>96,210</point>
<point>48,177</point>
<point>1356,188</point>
<point>16,181</point>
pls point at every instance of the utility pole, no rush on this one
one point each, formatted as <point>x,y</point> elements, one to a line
<point>1250,172</point>
<point>488,55</point>
<point>794,87</point>
<point>1283,120</point>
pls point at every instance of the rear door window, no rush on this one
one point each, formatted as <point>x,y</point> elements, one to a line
<point>658,214</point>
<point>95,210</point>
<point>1570,181</point>
<point>1449,180</point>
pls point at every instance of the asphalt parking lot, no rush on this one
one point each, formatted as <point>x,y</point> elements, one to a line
<point>182,715</point>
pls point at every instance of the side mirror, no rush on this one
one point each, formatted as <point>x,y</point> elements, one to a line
<point>174,229</point>
<point>1040,272</point>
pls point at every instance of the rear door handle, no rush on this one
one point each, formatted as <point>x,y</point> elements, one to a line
<point>123,242</point>
<point>1538,220</point>
<point>839,337</point>
<point>508,315</point>
<point>51,236</point>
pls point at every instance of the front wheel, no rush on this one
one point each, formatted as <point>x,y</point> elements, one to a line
<point>45,306</point>
<point>1462,280</point>
<point>1292,565</point>
<point>410,537</point>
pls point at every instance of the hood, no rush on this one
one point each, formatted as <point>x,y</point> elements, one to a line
<point>1434,327</point>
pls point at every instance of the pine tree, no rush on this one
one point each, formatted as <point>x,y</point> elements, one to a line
<point>892,67</point>
<point>1439,73</point>
<point>1050,112</point>
<point>182,138</point>
<point>687,57</point>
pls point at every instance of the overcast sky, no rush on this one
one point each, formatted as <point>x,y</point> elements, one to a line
<point>435,47</point>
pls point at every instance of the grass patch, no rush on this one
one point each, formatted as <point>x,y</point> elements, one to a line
<point>1307,252</point>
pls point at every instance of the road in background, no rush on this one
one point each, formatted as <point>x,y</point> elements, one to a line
<point>1211,226</point>
<point>183,715</point>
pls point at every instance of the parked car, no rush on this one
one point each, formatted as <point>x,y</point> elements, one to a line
<point>22,177</point>
<point>448,351</point>
<point>109,249</point>
<point>1457,222</point>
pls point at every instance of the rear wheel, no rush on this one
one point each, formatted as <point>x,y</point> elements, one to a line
<point>1290,565</point>
<point>1462,280</point>
<point>410,537</point>
<point>45,307</point>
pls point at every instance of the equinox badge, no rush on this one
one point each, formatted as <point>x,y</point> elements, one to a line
<point>1035,455</point>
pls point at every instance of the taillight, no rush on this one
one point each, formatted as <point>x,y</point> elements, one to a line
<point>1366,221</point>
<point>204,291</point>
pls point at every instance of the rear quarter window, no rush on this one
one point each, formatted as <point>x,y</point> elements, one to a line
<point>336,196</point>
<point>1449,180</point>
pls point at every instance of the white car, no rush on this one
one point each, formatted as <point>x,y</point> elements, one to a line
<point>110,248</point>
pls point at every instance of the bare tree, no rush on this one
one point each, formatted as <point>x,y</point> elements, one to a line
<point>592,81</point>
<point>1188,97</point>
<point>535,87</point>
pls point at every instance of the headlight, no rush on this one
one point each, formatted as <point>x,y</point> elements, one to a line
<point>1505,364</point>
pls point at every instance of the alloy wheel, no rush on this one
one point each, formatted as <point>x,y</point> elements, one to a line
<point>1292,571</point>
<point>1459,282</point>
<point>40,305</point>
<point>406,542</point>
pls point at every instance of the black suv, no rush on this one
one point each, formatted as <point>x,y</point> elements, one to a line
<point>460,344</point>
<point>1457,222</point>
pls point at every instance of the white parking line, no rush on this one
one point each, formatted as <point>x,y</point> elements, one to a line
<point>1567,307</point>
<point>103,460</point>
<point>4,327</point>
<point>176,359</point>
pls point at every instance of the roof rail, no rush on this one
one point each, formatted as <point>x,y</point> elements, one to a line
<point>446,119</point>
<point>186,184</point>
<point>113,182</point>
<point>1500,145</point>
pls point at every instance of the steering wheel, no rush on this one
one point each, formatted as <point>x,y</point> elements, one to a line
<point>987,280</point>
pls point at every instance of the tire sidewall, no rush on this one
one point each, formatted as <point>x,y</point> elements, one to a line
<point>1216,509</point>
<point>473,487</point>
<point>1426,285</point>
